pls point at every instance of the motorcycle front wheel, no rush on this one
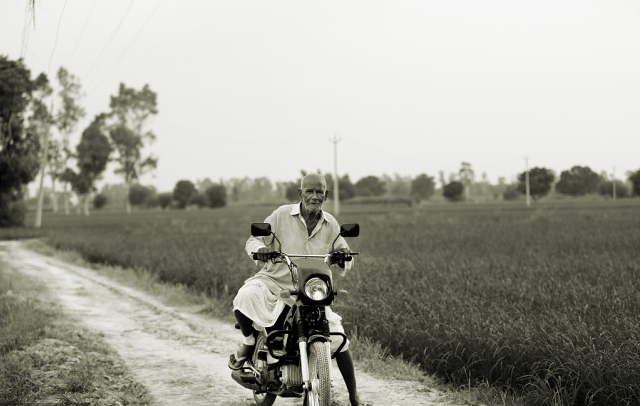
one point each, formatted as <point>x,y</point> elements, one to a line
<point>261,399</point>
<point>318,375</point>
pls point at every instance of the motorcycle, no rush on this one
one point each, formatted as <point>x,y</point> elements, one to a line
<point>292,358</point>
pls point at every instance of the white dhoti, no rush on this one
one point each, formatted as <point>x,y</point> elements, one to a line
<point>258,299</point>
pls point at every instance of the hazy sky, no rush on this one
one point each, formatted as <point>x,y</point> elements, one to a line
<point>258,88</point>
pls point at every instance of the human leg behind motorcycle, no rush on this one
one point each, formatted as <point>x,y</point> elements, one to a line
<point>254,304</point>
<point>246,349</point>
<point>343,358</point>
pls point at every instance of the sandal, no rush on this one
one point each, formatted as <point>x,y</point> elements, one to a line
<point>237,359</point>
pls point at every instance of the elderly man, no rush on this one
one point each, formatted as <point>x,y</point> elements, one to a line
<point>306,229</point>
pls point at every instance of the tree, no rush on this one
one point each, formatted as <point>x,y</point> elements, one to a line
<point>246,189</point>
<point>217,195</point>
<point>93,150</point>
<point>92,154</point>
<point>466,175</point>
<point>291,193</point>
<point>578,181</point>
<point>346,189</point>
<point>99,201</point>
<point>541,180</point>
<point>131,110</point>
<point>453,191</point>
<point>605,188</point>
<point>261,189</point>
<point>291,190</point>
<point>634,178</point>
<point>67,116</point>
<point>140,195</point>
<point>116,193</point>
<point>441,179</point>
<point>81,185</point>
<point>183,192</point>
<point>235,193</point>
<point>483,189</point>
<point>203,185</point>
<point>500,188</point>
<point>18,149</point>
<point>369,186</point>
<point>397,186</point>
<point>422,187</point>
<point>199,199</point>
<point>511,192</point>
<point>165,199</point>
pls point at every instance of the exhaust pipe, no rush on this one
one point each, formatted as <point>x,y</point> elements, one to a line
<point>245,379</point>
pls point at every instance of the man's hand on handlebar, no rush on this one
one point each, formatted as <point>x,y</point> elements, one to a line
<point>340,256</point>
<point>264,254</point>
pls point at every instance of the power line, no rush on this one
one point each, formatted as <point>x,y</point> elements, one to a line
<point>25,30</point>
<point>113,35</point>
<point>29,12</point>
<point>57,34</point>
<point>84,27</point>
<point>128,46</point>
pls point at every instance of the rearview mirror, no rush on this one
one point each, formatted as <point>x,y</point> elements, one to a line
<point>350,230</point>
<point>261,229</point>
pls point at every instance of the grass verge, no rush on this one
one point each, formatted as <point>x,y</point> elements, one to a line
<point>47,359</point>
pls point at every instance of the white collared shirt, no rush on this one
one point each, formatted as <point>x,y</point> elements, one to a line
<point>290,228</point>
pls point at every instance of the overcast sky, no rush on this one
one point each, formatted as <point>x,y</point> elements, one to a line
<point>258,88</point>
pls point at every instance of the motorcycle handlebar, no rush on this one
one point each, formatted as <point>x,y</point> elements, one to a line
<point>275,254</point>
<point>270,254</point>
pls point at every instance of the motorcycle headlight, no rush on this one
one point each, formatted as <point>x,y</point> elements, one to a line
<point>316,289</point>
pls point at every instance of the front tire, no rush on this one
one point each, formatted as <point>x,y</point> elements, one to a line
<point>261,399</point>
<point>318,375</point>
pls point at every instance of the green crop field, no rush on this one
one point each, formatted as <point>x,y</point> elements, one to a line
<point>543,300</point>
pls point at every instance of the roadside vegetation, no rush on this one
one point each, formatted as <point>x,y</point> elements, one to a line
<point>47,359</point>
<point>541,302</point>
<point>369,355</point>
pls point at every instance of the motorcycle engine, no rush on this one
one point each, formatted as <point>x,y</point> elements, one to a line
<point>291,375</point>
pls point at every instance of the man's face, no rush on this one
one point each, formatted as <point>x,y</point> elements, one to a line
<point>313,194</point>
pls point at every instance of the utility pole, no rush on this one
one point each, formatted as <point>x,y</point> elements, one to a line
<point>336,205</point>
<point>527,183</point>
<point>614,189</point>
<point>43,166</point>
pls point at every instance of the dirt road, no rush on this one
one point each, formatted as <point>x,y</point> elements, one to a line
<point>181,357</point>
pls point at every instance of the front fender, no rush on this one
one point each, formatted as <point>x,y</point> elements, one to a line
<point>317,337</point>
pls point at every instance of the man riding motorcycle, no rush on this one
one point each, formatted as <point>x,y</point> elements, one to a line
<point>304,228</point>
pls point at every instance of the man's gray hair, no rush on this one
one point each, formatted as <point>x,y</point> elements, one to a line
<point>309,176</point>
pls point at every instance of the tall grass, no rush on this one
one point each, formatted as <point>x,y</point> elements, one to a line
<point>545,299</point>
<point>16,233</point>
<point>22,322</point>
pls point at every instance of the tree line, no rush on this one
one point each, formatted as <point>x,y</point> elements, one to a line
<point>35,132</point>
<point>461,186</point>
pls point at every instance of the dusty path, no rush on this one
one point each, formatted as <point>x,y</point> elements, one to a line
<point>179,356</point>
